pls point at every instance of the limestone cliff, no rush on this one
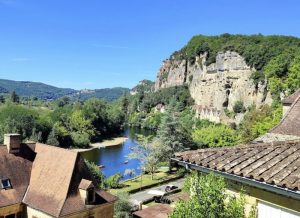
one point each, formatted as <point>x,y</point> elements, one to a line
<point>218,85</point>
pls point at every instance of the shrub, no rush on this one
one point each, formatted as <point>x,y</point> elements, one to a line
<point>239,107</point>
<point>209,199</point>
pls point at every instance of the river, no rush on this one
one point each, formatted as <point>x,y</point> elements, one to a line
<point>114,158</point>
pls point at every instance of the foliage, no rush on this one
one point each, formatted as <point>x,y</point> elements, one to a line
<point>123,206</point>
<point>215,136</point>
<point>69,124</point>
<point>258,121</point>
<point>209,199</point>
<point>171,134</point>
<point>149,152</point>
<point>96,173</point>
<point>113,181</point>
<point>239,107</point>
<point>14,97</point>
<point>17,119</point>
<point>52,138</point>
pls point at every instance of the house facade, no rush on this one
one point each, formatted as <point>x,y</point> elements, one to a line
<point>42,181</point>
<point>268,170</point>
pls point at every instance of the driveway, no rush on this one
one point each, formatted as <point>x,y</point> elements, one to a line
<point>144,195</point>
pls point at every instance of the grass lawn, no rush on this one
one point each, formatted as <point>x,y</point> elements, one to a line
<point>135,183</point>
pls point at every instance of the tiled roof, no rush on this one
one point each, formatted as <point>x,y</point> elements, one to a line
<point>17,169</point>
<point>290,99</point>
<point>156,211</point>
<point>277,164</point>
<point>55,178</point>
<point>290,124</point>
<point>50,179</point>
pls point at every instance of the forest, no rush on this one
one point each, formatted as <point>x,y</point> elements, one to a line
<point>63,122</point>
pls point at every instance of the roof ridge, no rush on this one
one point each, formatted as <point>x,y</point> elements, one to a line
<point>286,114</point>
<point>55,147</point>
<point>73,171</point>
<point>241,146</point>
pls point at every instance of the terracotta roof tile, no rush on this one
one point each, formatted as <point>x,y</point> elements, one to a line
<point>274,163</point>
<point>290,99</point>
<point>17,169</point>
<point>290,124</point>
<point>50,179</point>
<point>156,211</point>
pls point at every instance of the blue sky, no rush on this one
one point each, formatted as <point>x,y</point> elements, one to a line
<point>96,44</point>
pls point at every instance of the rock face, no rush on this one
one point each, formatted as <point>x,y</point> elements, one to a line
<point>218,85</point>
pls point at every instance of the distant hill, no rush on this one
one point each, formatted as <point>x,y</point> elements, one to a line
<point>109,94</point>
<point>48,92</point>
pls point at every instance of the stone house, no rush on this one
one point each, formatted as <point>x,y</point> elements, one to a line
<point>208,113</point>
<point>42,181</point>
<point>269,172</point>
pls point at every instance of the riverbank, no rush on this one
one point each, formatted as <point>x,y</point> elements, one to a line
<point>110,142</point>
<point>106,143</point>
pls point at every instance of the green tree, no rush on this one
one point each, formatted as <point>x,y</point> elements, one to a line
<point>209,199</point>
<point>17,119</point>
<point>113,181</point>
<point>123,206</point>
<point>2,99</point>
<point>52,139</point>
<point>293,79</point>
<point>215,136</point>
<point>149,152</point>
<point>96,173</point>
<point>14,97</point>
<point>258,121</point>
<point>239,107</point>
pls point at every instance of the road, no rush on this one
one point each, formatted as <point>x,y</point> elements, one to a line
<point>143,195</point>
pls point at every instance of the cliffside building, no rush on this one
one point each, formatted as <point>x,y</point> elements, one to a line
<point>42,181</point>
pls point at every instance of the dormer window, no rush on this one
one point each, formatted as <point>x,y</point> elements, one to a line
<point>5,184</point>
<point>90,196</point>
<point>87,191</point>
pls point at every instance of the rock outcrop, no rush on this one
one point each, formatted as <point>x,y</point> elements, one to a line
<point>218,85</point>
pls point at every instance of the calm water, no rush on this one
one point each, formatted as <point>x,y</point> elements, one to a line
<point>113,157</point>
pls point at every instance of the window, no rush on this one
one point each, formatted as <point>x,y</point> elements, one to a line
<point>5,184</point>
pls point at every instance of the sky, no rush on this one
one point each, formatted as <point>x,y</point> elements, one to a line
<point>101,44</point>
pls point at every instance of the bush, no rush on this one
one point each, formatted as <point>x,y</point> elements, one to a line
<point>239,107</point>
<point>215,136</point>
<point>123,205</point>
<point>209,199</point>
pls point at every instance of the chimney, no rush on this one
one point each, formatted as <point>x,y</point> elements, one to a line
<point>13,143</point>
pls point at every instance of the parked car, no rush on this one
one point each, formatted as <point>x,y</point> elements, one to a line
<point>170,188</point>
